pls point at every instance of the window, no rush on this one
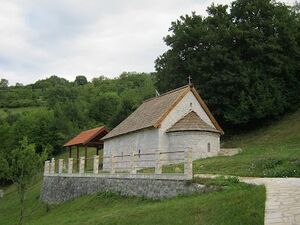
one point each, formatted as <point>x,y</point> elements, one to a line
<point>208,147</point>
<point>191,104</point>
<point>139,153</point>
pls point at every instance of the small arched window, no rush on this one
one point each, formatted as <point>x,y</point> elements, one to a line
<point>208,147</point>
<point>191,104</point>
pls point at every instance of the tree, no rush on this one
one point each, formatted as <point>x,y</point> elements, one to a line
<point>80,80</point>
<point>21,166</point>
<point>19,84</point>
<point>3,83</point>
<point>104,107</point>
<point>243,59</point>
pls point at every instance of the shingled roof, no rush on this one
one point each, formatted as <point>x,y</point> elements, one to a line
<point>153,111</point>
<point>192,122</point>
<point>86,136</point>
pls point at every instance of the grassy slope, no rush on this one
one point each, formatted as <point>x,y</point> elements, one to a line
<point>239,204</point>
<point>270,151</point>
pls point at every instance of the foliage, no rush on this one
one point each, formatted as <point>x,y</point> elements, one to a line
<point>56,109</point>
<point>80,80</point>
<point>21,166</point>
<point>243,59</point>
<point>219,181</point>
<point>3,83</point>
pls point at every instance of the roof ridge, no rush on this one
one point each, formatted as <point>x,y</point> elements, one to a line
<point>91,129</point>
<point>168,92</point>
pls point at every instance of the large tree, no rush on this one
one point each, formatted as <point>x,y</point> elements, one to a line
<point>21,166</point>
<point>243,58</point>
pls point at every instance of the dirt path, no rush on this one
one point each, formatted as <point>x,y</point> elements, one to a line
<point>283,199</point>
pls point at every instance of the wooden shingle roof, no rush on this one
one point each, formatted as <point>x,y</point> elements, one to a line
<point>192,122</point>
<point>153,111</point>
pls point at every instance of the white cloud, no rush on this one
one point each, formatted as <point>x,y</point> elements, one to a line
<point>71,37</point>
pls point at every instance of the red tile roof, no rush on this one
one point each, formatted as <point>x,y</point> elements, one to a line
<point>85,136</point>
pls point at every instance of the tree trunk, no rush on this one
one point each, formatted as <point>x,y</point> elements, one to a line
<point>22,199</point>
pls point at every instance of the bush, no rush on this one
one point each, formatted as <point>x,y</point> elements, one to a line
<point>220,181</point>
<point>273,167</point>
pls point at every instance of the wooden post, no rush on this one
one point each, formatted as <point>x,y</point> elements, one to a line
<point>97,152</point>
<point>70,152</point>
<point>158,169</point>
<point>77,158</point>
<point>85,156</point>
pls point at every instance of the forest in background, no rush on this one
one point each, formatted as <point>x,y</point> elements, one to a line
<point>243,59</point>
<point>55,109</point>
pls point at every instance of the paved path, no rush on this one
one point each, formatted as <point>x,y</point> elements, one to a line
<point>283,199</point>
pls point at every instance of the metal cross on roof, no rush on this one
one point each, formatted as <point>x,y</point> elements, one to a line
<point>190,80</point>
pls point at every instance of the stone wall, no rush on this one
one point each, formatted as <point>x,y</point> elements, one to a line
<point>143,141</point>
<point>197,141</point>
<point>58,189</point>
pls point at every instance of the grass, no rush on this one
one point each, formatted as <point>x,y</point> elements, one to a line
<point>273,151</point>
<point>236,203</point>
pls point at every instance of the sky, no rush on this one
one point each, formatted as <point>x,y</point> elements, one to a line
<point>86,37</point>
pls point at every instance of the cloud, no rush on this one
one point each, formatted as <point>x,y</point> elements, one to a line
<point>71,37</point>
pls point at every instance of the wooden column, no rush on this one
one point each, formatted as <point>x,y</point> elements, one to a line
<point>85,156</point>
<point>77,158</point>
<point>97,152</point>
<point>70,152</point>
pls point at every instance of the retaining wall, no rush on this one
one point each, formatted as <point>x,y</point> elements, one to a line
<point>60,188</point>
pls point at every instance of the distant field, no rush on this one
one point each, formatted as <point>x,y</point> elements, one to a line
<point>234,205</point>
<point>4,111</point>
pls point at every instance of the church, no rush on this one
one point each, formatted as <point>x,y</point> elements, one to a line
<point>174,121</point>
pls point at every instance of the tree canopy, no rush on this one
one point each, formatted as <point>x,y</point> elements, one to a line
<point>243,59</point>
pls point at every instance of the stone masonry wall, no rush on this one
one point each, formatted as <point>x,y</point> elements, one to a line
<point>58,189</point>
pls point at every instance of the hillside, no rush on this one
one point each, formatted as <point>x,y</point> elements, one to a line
<point>272,151</point>
<point>236,204</point>
<point>268,151</point>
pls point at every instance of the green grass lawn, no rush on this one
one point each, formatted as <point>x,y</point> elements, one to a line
<point>273,151</point>
<point>235,204</point>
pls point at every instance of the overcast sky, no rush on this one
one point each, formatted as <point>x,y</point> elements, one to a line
<point>89,37</point>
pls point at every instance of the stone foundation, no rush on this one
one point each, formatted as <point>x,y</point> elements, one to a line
<point>58,189</point>
<point>229,151</point>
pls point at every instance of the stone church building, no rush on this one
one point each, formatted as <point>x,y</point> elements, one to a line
<point>174,121</point>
